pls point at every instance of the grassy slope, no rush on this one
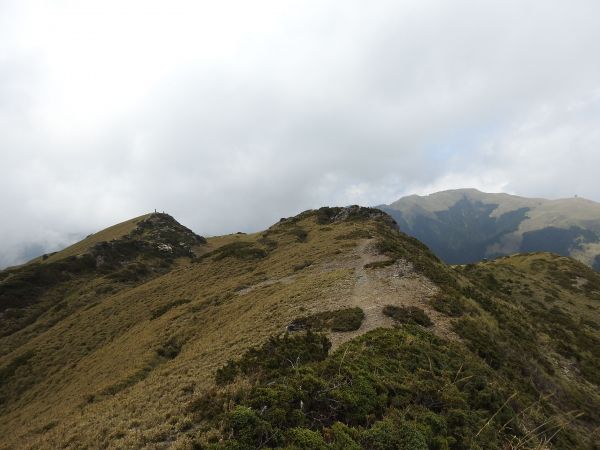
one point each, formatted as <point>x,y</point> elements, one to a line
<point>42,293</point>
<point>440,201</point>
<point>103,356</point>
<point>560,213</point>
<point>531,381</point>
<point>108,234</point>
<point>123,366</point>
<point>536,322</point>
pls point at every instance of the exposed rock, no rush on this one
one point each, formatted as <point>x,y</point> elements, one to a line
<point>165,248</point>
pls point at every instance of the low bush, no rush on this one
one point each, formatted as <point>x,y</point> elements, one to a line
<point>388,389</point>
<point>22,286</point>
<point>391,435</point>
<point>326,214</point>
<point>408,314</point>
<point>480,340</point>
<point>275,355</point>
<point>169,350</point>
<point>239,249</point>
<point>348,319</point>
<point>305,439</point>
<point>227,373</point>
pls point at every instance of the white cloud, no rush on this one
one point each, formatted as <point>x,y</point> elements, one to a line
<point>232,114</point>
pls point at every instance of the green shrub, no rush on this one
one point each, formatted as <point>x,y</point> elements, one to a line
<point>390,388</point>
<point>326,214</point>
<point>342,437</point>
<point>270,244</point>
<point>349,319</point>
<point>248,429</point>
<point>169,350</point>
<point>239,250</point>
<point>305,439</point>
<point>276,355</point>
<point>227,373</point>
<point>386,435</point>
<point>21,287</point>
<point>408,314</point>
<point>480,340</point>
<point>209,406</point>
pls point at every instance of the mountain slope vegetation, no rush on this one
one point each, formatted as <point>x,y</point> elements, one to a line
<point>330,329</point>
<point>465,225</point>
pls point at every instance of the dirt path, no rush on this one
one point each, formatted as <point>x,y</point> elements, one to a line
<point>397,285</point>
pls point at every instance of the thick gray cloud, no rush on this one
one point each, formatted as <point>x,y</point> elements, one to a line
<point>232,114</point>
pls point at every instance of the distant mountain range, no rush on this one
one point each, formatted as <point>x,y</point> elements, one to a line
<point>466,225</point>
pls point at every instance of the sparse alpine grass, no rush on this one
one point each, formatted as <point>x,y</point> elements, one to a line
<point>128,358</point>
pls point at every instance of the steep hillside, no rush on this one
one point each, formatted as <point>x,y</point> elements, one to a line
<point>330,329</point>
<point>465,225</point>
<point>120,256</point>
<point>117,231</point>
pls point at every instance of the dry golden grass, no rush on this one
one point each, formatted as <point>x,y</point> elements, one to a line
<point>121,362</point>
<point>100,365</point>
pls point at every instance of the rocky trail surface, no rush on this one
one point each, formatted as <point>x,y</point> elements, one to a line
<point>397,285</point>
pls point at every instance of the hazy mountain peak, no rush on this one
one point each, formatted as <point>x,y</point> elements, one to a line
<point>467,225</point>
<point>153,228</point>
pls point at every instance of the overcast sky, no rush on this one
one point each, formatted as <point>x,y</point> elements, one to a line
<point>231,114</point>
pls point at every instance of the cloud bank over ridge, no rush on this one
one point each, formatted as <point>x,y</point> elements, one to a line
<point>231,115</point>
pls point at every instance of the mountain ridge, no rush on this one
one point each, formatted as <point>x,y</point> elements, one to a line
<point>467,225</point>
<point>166,359</point>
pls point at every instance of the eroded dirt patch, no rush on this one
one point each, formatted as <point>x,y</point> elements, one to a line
<point>397,284</point>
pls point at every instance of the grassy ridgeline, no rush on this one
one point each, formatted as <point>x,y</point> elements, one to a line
<point>127,357</point>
